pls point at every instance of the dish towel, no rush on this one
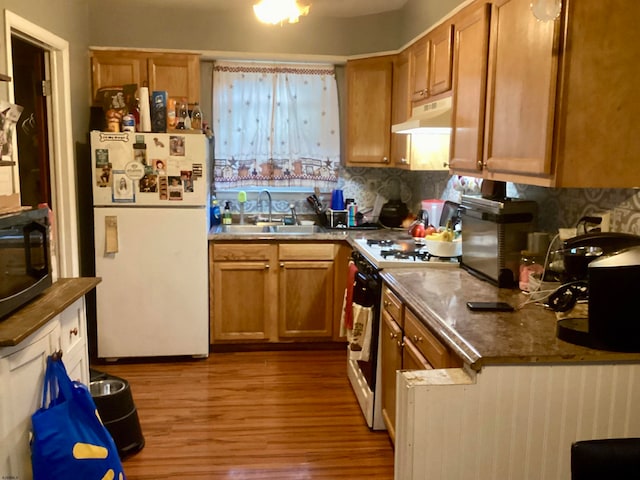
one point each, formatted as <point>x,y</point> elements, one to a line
<point>359,336</point>
<point>346,319</point>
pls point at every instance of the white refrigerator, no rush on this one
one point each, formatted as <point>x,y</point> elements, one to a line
<point>150,197</point>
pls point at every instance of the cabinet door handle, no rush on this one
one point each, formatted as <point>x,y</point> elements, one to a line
<point>445,164</point>
<point>404,161</point>
<point>417,339</point>
<point>385,159</point>
<point>386,303</point>
<point>400,344</point>
<point>392,335</point>
<point>267,266</point>
<point>281,265</point>
<point>480,164</point>
<point>73,331</point>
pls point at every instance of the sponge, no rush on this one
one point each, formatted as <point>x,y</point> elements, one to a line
<point>242,196</point>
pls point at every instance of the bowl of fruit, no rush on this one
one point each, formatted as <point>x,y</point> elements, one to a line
<point>444,242</point>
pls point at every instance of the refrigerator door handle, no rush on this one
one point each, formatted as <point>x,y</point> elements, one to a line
<point>110,234</point>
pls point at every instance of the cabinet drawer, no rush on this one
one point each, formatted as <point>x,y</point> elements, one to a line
<point>393,305</point>
<point>241,251</point>
<point>412,358</point>
<point>306,251</point>
<point>428,345</point>
<point>72,327</point>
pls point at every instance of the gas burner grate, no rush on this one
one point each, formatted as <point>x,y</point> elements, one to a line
<point>380,243</point>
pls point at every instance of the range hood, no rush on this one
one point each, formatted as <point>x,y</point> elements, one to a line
<point>434,117</point>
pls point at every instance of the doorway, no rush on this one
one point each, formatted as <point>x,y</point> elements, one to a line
<point>30,90</point>
<point>55,175</point>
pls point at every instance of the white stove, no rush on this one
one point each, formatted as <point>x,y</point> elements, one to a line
<point>401,254</point>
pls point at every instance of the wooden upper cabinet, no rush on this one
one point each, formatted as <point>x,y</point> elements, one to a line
<point>440,59</point>
<point>400,110</point>
<point>419,60</point>
<point>431,60</point>
<point>178,74</point>
<point>471,49</point>
<point>116,68</point>
<point>561,103</point>
<point>369,91</point>
<point>522,87</point>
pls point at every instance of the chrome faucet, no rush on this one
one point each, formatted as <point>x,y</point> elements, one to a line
<point>292,207</point>
<point>260,200</point>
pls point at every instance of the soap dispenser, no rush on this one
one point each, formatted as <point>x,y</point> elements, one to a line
<point>226,214</point>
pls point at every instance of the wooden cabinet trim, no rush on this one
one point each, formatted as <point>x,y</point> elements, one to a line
<point>306,251</point>
<point>241,251</point>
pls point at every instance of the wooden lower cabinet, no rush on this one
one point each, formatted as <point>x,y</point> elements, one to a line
<point>276,292</point>
<point>306,290</point>
<point>391,362</point>
<point>405,344</point>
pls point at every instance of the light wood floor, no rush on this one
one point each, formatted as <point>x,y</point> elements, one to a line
<point>252,415</point>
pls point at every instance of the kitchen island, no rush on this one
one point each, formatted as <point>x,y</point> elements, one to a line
<point>521,398</point>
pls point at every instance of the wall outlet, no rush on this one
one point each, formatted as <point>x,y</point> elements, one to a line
<point>605,224</point>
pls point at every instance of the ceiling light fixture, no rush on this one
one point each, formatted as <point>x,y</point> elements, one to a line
<point>277,11</point>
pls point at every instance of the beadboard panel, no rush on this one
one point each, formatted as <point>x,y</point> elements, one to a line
<point>514,422</point>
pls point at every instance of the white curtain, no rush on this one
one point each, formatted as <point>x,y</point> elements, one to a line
<point>275,125</point>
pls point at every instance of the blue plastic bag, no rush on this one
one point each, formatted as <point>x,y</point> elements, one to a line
<point>69,439</point>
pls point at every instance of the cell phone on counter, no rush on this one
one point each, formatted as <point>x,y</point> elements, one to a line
<point>489,307</point>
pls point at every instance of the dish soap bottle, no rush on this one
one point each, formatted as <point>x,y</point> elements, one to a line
<point>226,215</point>
<point>214,213</point>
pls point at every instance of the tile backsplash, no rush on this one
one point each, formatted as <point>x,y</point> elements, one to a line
<point>558,207</point>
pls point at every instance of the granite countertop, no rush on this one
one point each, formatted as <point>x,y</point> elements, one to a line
<point>55,299</point>
<point>528,335</point>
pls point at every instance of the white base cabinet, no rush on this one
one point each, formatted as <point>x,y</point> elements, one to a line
<point>22,369</point>
<point>509,422</point>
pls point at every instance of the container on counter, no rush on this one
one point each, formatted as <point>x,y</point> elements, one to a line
<point>226,214</point>
<point>352,210</point>
<point>531,263</point>
<point>214,213</point>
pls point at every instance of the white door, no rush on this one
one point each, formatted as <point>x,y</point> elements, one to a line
<point>153,298</point>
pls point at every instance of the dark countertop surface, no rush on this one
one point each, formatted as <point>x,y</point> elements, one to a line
<point>55,299</point>
<point>528,335</point>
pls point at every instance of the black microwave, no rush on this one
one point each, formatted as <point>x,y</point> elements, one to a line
<point>25,262</point>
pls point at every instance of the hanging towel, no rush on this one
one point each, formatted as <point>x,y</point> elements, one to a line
<point>351,278</point>
<point>359,336</point>
<point>346,319</point>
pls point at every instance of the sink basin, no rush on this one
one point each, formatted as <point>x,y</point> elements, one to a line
<point>270,229</point>
<point>243,229</point>
<point>296,229</point>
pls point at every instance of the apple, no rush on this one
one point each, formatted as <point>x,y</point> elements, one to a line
<point>418,230</point>
<point>430,230</point>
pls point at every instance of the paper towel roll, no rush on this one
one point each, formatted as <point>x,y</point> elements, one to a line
<point>145,111</point>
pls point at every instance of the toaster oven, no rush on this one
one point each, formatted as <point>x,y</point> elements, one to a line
<point>494,233</point>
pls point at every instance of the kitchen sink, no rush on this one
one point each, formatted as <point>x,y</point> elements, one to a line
<point>243,229</point>
<point>296,229</point>
<point>270,229</point>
